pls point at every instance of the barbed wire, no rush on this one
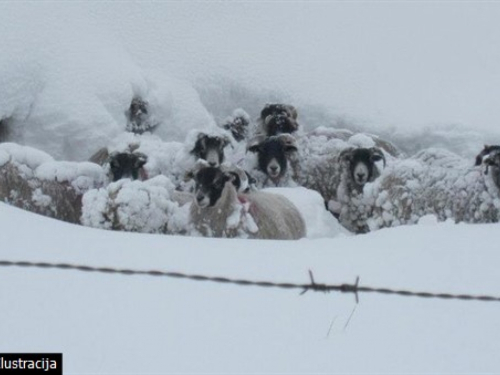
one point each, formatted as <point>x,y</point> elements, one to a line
<point>312,285</point>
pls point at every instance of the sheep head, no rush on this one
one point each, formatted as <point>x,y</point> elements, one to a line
<point>237,125</point>
<point>210,183</point>
<point>127,165</point>
<point>279,119</point>
<point>490,157</point>
<point>210,148</point>
<point>361,164</point>
<point>273,154</point>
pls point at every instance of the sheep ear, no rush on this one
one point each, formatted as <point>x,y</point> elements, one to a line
<point>141,160</point>
<point>189,175</point>
<point>253,144</point>
<point>112,159</point>
<point>377,155</point>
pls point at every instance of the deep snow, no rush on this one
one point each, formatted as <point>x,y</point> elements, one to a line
<point>121,324</point>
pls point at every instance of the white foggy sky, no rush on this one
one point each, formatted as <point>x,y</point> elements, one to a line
<point>400,63</point>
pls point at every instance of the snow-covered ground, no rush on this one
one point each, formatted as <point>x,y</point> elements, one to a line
<point>420,74</point>
<point>112,324</point>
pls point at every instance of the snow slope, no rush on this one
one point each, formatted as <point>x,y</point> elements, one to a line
<point>133,324</point>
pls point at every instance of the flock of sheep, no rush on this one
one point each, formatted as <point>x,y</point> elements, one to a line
<point>211,184</point>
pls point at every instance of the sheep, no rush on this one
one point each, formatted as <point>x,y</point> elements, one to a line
<point>121,164</point>
<point>143,156</point>
<point>358,166</point>
<point>32,180</point>
<point>219,211</point>
<point>139,120</point>
<point>278,119</point>
<point>238,124</point>
<point>410,189</point>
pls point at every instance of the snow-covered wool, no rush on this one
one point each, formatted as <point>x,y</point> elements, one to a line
<point>441,157</point>
<point>357,139</point>
<point>32,180</point>
<point>238,124</point>
<point>410,189</point>
<point>150,206</point>
<point>278,119</point>
<point>219,211</point>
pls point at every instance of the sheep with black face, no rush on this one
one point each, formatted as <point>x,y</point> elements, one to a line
<point>278,119</point>
<point>127,164</point>
<point>219,211</point>
<point>276,158</point>
<point>358,166</point>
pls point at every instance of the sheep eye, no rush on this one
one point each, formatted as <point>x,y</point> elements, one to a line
<point>376,157</point>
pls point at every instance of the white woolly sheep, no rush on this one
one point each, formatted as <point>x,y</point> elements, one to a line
<point>410,189</point>
<point>32,180</point>
<point>219,211</point>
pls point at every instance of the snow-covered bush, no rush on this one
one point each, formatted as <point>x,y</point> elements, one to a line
<point>136,206</point>
<point>410,189</point>
<point>32,180</point>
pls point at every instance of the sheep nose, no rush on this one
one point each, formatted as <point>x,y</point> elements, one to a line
<point>199,198</point>
<point>361,176</point>
<point>274,168</point>
<point>212,163</point>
